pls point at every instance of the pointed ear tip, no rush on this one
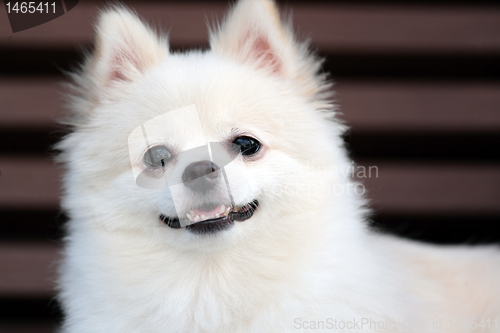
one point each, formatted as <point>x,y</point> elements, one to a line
<point>256,11</point>
<point>269,5</point>
<point>116,16</point>
<point>261,2</point>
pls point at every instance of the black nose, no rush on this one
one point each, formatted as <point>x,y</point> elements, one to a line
<point>201,176</point>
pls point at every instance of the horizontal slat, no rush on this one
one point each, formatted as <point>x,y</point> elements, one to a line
<point>332,27</point>
<point>419,106</point>
<point>366,105</point>
<point>30,102</point>
<point>28,269</point>
<point>399,188</point>
<point>27,328</point>
<point>419,188</point>
<point>386,28</point>
<point>27,183</point>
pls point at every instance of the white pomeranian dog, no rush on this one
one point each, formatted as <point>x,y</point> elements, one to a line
<point>198,187</point>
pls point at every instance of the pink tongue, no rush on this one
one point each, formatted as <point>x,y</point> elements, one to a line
<point>214,211</point>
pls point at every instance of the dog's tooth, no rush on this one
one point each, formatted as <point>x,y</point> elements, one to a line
<point>226,213</point>
<point>217,215</point>
<point>189,216</point>
<point>235,210</point>
<point>203,217</point>
<point>197,218</point>
<point>222,208</point>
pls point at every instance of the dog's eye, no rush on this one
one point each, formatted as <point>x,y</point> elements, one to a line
<point>157,157</point>
<point>247,145</point>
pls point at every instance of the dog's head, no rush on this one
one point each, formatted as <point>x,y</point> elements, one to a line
<point>205,146</point>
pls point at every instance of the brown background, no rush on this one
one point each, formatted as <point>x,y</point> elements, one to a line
<point>418,82</point>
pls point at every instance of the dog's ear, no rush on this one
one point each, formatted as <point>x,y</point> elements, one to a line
<point>124,49</point>
<point>253,33</point>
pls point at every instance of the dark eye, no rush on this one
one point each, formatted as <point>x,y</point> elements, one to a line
<point>157,157</point>
<point>247,145</point>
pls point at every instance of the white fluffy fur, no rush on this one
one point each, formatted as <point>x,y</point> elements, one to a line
<point>306,253</point>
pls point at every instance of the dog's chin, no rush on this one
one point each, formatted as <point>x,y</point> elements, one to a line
<point>218,218</point>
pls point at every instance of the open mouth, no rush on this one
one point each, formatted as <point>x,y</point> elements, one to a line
<point>211,219</point>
